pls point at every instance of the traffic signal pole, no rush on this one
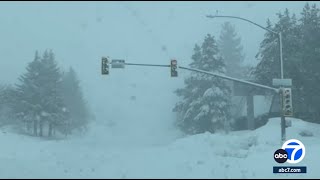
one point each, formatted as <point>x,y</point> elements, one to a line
<point>283,118</point>
<point>231,78</point>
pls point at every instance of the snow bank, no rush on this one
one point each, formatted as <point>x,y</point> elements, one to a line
<point>241,154</point>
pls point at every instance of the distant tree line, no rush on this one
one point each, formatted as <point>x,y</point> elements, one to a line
<point>45,101</point>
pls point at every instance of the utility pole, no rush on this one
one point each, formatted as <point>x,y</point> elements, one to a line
<point>283,119</point>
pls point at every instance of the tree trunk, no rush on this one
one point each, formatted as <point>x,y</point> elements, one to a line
<point>54,130</point>
<point>28,124</point>
<point>41,128</point>
<point>50,130</point>
<point>35,127</point>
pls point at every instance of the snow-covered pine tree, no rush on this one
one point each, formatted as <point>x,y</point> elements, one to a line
<point>53,110</point>
<point>268,55</point>
<point>232,53</point>
<point>29,107</point>
<point>205,101</point>
<point>39,94</point>
<point>7,100</point>
<point>309,65</point>
<point>74,100</point>
<point>299,54</point>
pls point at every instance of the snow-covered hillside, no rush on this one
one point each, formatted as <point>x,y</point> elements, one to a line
<point>104,153</point>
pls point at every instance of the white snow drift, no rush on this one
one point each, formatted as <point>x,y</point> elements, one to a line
<point>106,153</point>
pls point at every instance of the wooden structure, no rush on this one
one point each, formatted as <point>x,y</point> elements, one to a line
<point>240,89</point>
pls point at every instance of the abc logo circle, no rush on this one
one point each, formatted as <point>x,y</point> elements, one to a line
<point>280,156</point>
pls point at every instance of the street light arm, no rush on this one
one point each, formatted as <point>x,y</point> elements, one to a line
<point>235,17</point>
<point>267,29</point>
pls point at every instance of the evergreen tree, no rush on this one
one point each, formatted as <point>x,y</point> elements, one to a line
<point>269,56</point>
<point>39,94</point>
<point>269,65</point>
<point>205,99</point>
<point>7,100</point>
<point>309,63</point>
<point>233,56</point>
<point>300,57</point>
<point>74,101</point>
<point>29,108</point>
<point>52,99</point>
<point>231,51</point>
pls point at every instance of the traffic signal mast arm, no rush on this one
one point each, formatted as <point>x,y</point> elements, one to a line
<point>122,63</point>
<point>232,79</point>
<point>135,64</point>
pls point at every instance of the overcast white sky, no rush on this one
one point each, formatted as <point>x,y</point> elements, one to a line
<point>81,32</point>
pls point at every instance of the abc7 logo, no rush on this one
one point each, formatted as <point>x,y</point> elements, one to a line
<point>293,151</point>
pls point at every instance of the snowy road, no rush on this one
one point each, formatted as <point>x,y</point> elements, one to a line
<point>242,154</point>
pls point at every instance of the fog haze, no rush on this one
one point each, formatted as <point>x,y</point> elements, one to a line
<point>80,33</point>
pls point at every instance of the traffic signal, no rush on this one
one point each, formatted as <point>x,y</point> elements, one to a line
<point>173,65</point>
<point>105,66</point>
<point>287,102</point>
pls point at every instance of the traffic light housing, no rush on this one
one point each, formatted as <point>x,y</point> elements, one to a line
<point>173,65</point>
<point>287,102</point>
<point>105,66</point>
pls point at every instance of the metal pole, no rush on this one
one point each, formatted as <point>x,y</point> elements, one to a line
<point>235,17</point>
<point>281,55</point>
<point>283,118</point>
<point>267,29</point>
<point>135,64</point>
<point>230,78</point>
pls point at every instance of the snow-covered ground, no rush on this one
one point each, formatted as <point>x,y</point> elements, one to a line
<point>104,153</point>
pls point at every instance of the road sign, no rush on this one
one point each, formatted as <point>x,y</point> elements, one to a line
<point>117,63</point>
<point>282,82</point>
